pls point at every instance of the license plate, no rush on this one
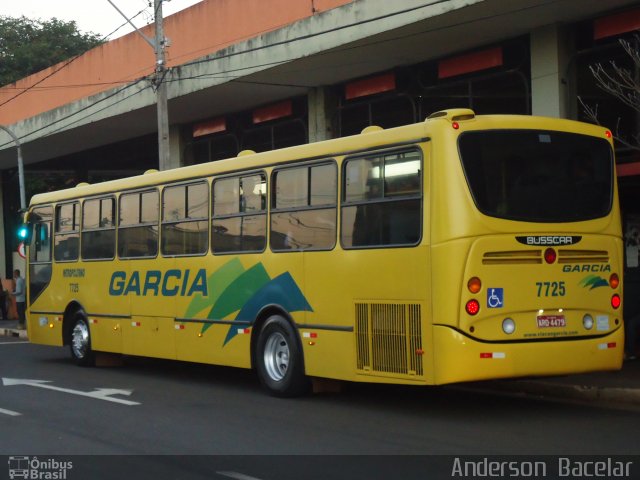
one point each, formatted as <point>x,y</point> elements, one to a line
<point>546,321</point>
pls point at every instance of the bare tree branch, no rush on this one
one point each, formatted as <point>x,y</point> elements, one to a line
<point>621,83</point>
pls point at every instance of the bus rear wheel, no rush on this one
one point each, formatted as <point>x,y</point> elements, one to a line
<point>80,341</point>
<point>279,360</point>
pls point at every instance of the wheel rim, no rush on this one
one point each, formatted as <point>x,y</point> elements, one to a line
<point>80,340</point>
<point>276,356</point>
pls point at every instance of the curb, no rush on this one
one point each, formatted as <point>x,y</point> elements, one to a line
<point>13,332</point>
<point>627,396</point>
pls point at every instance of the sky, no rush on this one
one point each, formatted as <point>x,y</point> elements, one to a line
<point>97,16</point>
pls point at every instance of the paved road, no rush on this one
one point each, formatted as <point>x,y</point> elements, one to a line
<point>186,409</point>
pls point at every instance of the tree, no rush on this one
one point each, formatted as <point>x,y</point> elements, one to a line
<point>623,84</point>
<point>28,46</point>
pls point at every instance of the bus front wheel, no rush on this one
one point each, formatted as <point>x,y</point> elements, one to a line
<point>279,359</point>
<point>80,343</point>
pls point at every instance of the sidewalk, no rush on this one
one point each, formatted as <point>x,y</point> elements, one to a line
<point>9,328</point>
<point>620,387</point>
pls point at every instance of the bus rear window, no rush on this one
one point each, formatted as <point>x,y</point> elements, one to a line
<point>538,176</point>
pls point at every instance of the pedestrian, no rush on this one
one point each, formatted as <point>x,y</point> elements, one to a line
<point>4,296</point>
<point>21,298</point>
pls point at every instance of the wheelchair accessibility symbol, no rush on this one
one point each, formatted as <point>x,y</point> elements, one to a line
<point>495,297</point>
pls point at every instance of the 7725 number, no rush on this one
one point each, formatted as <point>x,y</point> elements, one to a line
<point>551,289</point>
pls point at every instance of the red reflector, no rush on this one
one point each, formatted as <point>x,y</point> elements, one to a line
<point>455,125</point>
<point>549,255</point>
<point>472,307</point>
<point>611,345</point>
<point>486,355</point>
<point>608,134</point>
<point>615,301</point>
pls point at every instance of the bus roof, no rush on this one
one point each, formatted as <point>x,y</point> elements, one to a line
<point>371,138</point>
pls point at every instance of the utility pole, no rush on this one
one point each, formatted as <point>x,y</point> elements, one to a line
<point>161,90</point>
<point>159,85</point>
<point>23,200</point>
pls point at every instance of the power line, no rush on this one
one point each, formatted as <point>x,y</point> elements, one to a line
<point>225,74</point>
<point>88,107</point>
<point>64,65</point>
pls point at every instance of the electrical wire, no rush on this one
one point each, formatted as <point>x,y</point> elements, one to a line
<point>84,109</point>
<point>225,74</point>
<point>64,65</point>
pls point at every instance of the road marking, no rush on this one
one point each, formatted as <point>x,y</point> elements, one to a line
<point>237,476</point>
<point>11,343</point>
<point>98,394</point>
<point>9,412</point>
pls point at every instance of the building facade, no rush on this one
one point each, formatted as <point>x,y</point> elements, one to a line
<point>259,75</point>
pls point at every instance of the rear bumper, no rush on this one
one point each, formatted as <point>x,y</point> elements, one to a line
<point>459,358</point>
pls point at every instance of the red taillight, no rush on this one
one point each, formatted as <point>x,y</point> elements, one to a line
<point>614,280</point>
<point>472,307</point>
<point>608,134</point>
<point>615,301</point>
<point>550,255</point>
<point>455,125</point>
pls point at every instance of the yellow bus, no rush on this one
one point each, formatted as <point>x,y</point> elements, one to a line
<point>461,248</point>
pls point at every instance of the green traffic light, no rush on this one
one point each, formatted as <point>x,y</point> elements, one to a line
<point>23,232</point>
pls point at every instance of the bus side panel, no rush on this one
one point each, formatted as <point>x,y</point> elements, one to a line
<point>102,295</point>
<point>217,327</point>
<point>368,324</point>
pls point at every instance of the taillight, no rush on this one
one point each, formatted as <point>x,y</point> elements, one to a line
<point>615,301</point>
<point>474,285</point>
<point>550,255</point>
<point>472,307</point>
<point>614,280</point>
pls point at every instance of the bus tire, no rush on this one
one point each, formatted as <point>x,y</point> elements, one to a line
<point>279,360</point>
<point>80,341</point>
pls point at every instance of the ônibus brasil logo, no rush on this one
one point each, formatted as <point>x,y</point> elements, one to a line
<point>38,469</point>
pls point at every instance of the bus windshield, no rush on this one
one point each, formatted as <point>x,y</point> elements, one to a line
<point>538,176</point>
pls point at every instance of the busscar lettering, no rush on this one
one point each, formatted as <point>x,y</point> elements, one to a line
<point>541,240</point>
<point>155,283</point>
<point>550,240</point>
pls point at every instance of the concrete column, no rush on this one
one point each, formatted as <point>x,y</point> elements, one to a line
<point>550,61</point>
<point>322,106</point>
<point>175,147</point>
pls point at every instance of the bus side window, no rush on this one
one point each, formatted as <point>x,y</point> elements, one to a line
<point>138,224</point>
<point>184,219</point>
<point>303,209</point>
<point>98,229</point>
<point>239,221</point>
<point>67,232</point>
<point>382,200</point>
